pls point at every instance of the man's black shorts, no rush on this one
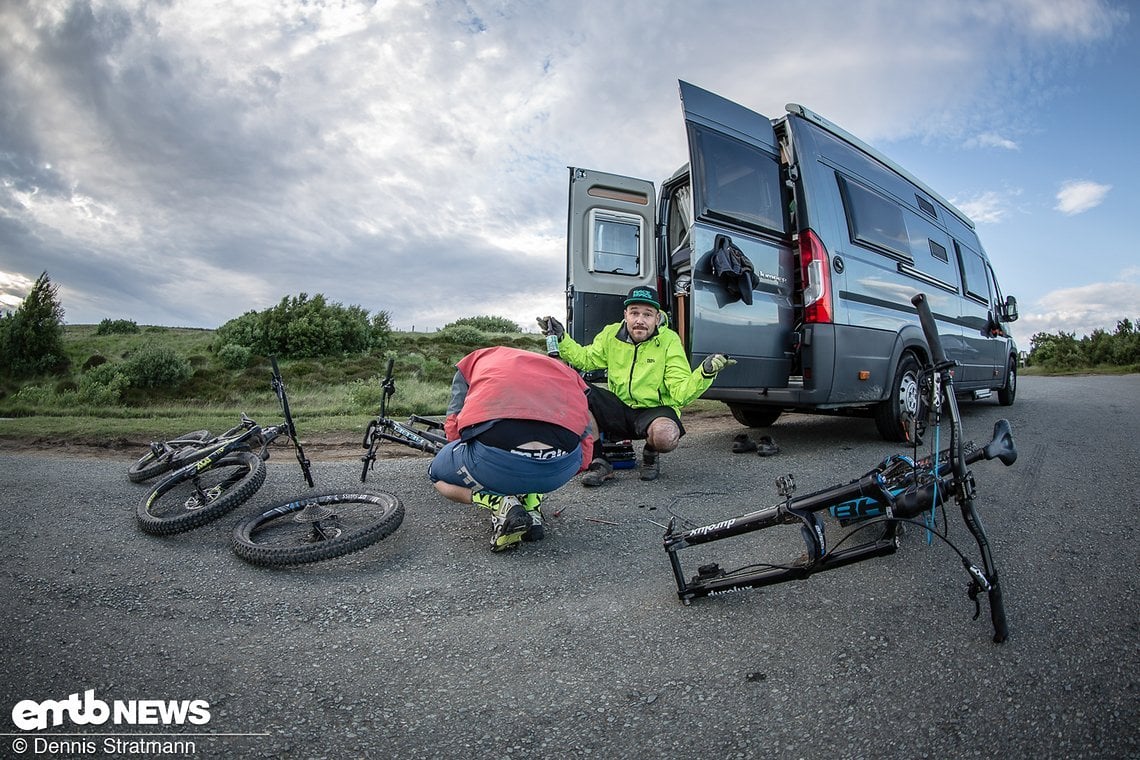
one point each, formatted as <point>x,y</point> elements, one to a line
<point>618,421</point>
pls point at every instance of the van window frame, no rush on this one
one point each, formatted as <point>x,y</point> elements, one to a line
<point>616,217</point>
<point>964,254</point>
<point>852,203</point>
<point>769,218</point>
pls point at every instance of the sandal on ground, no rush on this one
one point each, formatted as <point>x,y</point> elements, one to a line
<point>742,444</point>
<point>766,447</point>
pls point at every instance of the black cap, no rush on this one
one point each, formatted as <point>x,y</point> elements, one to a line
<point>642,294</point>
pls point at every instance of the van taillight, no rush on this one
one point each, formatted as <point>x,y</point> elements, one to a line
<point>815,273</point>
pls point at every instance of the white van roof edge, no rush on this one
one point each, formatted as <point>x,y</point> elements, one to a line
<point>843,134</point>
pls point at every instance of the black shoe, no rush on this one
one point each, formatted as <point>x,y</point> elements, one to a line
<point>650,464</point>
<point>598,472</point>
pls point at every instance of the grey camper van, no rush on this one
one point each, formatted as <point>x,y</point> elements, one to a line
<point>825,242</point>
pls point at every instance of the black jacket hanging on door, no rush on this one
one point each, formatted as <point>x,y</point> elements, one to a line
<point>731,265</point>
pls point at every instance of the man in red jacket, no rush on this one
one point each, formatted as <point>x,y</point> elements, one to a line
<point>517,427</point>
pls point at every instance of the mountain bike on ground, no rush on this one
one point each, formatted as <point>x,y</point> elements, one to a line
<point>214,475</point>
<point>164,456</point>
<point>323,526</point>
<point>418,432</point>
<point>897,492</point>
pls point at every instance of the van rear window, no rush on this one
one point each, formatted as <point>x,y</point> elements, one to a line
<point>736,182</point>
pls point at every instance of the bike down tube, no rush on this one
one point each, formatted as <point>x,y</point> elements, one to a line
<point>290,427</point>
<point>964,482</point>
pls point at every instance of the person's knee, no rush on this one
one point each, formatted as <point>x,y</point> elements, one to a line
<point>663,434</point>
<point>452,492</point>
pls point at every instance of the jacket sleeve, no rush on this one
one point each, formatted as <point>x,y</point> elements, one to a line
<point>684,384</point>
<point>459,388</point>
<point>585,358</point>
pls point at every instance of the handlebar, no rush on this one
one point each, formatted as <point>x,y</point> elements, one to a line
<point>929,328</point>
<point>1001,447</point>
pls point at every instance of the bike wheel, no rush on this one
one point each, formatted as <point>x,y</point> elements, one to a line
<point>317,527</point>
<point>151,465</point>
<point>189,499</point>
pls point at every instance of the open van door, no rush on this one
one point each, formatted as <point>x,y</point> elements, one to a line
<point>610,243</point>
<point>738,194</point>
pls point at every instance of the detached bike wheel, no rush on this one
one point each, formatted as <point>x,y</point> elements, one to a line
<point>317,527</point>
<point>151,465</point>
<point>188,500</point>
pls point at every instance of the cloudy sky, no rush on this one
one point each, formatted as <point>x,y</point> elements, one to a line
<point>182,162</point>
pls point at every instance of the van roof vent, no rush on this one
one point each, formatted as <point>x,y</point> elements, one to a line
<point>926,206</point>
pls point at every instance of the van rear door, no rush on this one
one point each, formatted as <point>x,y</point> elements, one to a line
<point>609,248</point>
<point>738,193</point>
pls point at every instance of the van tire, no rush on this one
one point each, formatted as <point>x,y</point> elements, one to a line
<point>755,416</point>
<point>905,397</point>
<point>1007,393</point>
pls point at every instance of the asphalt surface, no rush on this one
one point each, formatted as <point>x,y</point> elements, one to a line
<point>429,645</point>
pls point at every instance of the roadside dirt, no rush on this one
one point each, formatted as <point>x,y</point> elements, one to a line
<point>327,447</point>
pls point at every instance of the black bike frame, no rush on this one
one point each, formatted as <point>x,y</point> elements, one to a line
<point>248,433</point>
<point>427,437</point>
<point>899,495</point>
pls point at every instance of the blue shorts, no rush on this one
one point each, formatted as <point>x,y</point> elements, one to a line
<point>475,465</point>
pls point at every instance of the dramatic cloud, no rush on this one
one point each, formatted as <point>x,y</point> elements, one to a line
<point>1078,196</point>
<point>182,163</point>
<point>1080,310</point>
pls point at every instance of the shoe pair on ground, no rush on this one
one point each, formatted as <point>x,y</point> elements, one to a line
<point>765,446</point>
<point>600,470</point>
<point>513,518</point>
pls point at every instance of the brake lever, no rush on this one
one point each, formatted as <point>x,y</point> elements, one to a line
<point>978,584</point>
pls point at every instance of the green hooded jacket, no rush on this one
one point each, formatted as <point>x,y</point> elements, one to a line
<point>652,373</point>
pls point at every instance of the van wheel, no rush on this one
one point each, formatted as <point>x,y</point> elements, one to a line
<point>1007,394</point>
<point>755,416</point>
<point>904,404</point>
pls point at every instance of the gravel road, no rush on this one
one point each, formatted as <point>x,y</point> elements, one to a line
<point>428,645</point>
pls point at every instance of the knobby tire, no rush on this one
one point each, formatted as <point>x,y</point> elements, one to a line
<point>175,506</point>
<point>275,538</point>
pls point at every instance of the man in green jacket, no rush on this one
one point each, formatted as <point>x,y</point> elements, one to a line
<point>649,380</point>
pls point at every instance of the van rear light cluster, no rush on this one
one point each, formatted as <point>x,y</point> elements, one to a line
<point>815,273</point>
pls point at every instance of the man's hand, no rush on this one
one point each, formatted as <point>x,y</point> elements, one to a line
<point>551,326</point>
<point>714,363</point>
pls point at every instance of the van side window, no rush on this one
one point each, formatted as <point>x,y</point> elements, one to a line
<point>873,220</point>
<point>615,242</point>
<point>736,182</point>
<point>976,283</point>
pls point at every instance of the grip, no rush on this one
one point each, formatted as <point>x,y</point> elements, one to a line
<point>926,319</point>
<point>997,612</point>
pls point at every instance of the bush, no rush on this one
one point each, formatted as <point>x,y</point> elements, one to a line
<point>117,327</point>
<point>488,324</point>
<point>35,396</point>
<point>463,335</point>
<point>233,356</point>
<point>303,328</point>
<point>103,385</point>
<point>155,366</point>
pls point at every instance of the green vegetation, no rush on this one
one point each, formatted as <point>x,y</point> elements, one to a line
<point>117,380</point>
<point>31,338</point>
<point>307,328</point>
<point>161,381</point>
<point>1101,351</point>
